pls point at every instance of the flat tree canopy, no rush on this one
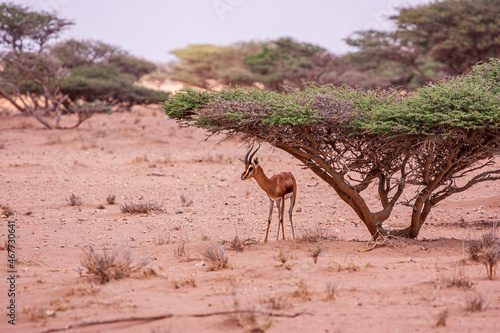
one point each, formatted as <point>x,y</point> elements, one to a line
<point>432,143</point>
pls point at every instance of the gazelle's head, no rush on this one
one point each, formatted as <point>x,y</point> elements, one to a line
<point>250,164</point>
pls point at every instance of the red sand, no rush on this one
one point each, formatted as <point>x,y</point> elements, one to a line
<point>144,157</point>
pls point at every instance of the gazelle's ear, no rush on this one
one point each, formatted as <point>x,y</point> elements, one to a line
<point>242,161</point>
<point>256,161</point>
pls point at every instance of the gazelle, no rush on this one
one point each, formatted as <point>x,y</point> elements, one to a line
<point>278,188</point>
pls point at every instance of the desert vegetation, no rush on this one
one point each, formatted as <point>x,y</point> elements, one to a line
<point>132,221</point>
<point>47,80</point>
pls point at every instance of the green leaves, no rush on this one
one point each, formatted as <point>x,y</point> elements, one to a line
<point>183,106</point>
<point>467,102</point>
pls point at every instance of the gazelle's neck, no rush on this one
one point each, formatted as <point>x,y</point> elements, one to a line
<point>262,180</point>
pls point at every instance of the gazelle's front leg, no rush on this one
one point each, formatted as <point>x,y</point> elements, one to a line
<point>271,206</point>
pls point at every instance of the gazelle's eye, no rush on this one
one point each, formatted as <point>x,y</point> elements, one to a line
<point>250,168</point>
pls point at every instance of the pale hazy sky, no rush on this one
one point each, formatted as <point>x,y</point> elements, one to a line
<point>151,28</point>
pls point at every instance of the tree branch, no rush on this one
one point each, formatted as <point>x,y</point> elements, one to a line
<point>171,315</point>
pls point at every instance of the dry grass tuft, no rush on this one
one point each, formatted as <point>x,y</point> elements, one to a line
<point>185,201</point>
<point>181,250</point>
<point>111,199</point>
<point>7,211</point>
<point>216,257</point>
<point>162,240</point>
<point>316,252</point>
<point>189,281</point>
<point>332,290</point>
<point>317,234</point>
<point>459,279</point>
<point>486,251</point>
<point>109,264</point>
<point>239,245</point>
<point>284,255</point>
<point>140,159</point>
<point>142,207</point>
<point>441,318</point>
<point>254,321</point>
<point>303,291</point>
<point>37,314</point>
<point>75,200</point>
<point>475,303</point>
<point>250,317</point>
<point>276,302</point>
<point>349,266</point>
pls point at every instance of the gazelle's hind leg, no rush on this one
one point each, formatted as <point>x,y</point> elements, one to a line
<point>290,211</point>
<point>280,203</point>
<point>282,222</point>
<point>271,206</point>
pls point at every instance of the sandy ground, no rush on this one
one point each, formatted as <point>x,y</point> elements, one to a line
<point>143,157</point>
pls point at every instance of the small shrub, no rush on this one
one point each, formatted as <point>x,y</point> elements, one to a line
<point>237,244</point>
<point>486,251</point>
<point>141,207</point>
<point>109,265</point>
<point>216,257</point>
<point>75,200</point>
<point>111,199</point>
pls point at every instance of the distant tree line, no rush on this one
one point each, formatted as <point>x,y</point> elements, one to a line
<point>429,42</point>
<point>46,80</point>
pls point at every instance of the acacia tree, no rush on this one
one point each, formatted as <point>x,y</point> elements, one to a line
<point>29,76</point>
<point>82,78</point>
<point>435,142</point>
<point>454,33</point>
<point>101,72</point>
<point>200,65</point>
<point>285,62</point>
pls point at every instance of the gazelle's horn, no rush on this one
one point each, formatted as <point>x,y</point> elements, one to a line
<point>251,156</point>
<point>246,156</point>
